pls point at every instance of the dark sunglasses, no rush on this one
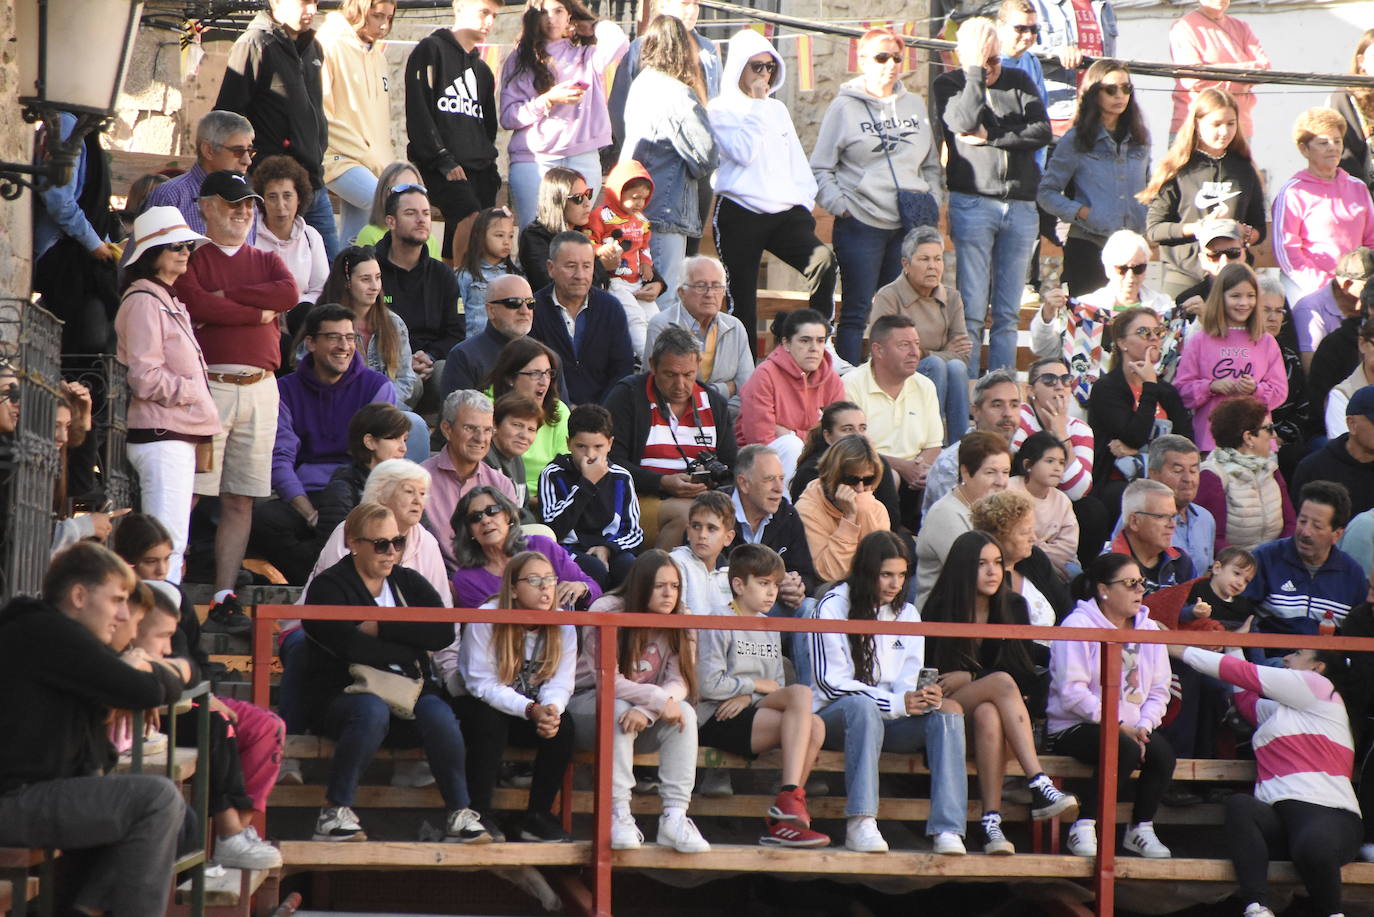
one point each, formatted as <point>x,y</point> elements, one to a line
<point>1147,333</point>
<point>478,515</point>
<point>882,57</point>
<point>584,198</point>
<point>1264,428</point>
<point>1113,89</point>
<point>386,545</point>
<point>1136,269</point>
<point>1230,254</point>
<point>1052,380</point>
<point>402,189</point>
<point>178,247</point>
<point>515,302</point>
<point>12,393</point>
<point>768,66</point>
<point>851,480</point>
<point>1026,29</point>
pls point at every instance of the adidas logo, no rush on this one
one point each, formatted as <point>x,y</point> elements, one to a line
<point>460,97</point>
<point>897,644</point>
<point>1288,587</point>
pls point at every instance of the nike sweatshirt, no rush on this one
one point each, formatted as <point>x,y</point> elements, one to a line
<point>450,105</point>
<point>1227,188</point>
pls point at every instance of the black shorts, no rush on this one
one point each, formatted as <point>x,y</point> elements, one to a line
<point>460,199</point>
<point>735,735</point>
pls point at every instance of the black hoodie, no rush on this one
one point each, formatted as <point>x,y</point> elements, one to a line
<point>1333,462</point>
<point>1011,113</point>
<point>425,298</point>
<point>59,682</point>
<point>450,106</point>
<point>274,82</point>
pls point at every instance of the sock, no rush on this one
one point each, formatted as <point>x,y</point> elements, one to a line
<point>619,808</point>
<point>219,596</point>
<point>993,814</point>
<point>674,812</point>
<point>787,788</point>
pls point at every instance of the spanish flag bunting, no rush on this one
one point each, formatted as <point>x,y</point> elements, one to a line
<point>806,70</point>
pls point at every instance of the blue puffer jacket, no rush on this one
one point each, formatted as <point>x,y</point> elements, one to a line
<point>1105,179</point>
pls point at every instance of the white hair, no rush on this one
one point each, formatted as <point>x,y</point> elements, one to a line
<point>383,480</point>
<point>695,261</point>
<point>1121,246</point>
<point>1139,492</point>
<point>464,398</point>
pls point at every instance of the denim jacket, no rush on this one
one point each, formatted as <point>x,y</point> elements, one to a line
<point>667,132</point>
<point>1104,179</point>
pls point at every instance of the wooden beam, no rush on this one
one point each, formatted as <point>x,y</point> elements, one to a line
<point>836,861</point>
<point>225,890</point>
<point>300,856</point>
<point>183,770</point>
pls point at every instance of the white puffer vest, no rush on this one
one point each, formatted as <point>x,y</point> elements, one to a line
<point>1254,503</point>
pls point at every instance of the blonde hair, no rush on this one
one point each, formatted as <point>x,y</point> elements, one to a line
<point>362,517</point>
<point>1317,121</point>
<point>355,11</point>
<point>1206,102</point>
<point>1214,310</point>
<point>554,189</point>
<point>998,512</point>
<point>508,639</point>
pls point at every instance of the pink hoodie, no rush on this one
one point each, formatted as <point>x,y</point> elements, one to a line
<point>779,393</point>
<point>1206,359</point>
<point>1316,220</point>
<point>1076,675</point>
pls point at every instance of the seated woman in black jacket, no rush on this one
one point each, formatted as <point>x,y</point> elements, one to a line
<point>565,202</point>
<point>342,653</point>
<point>376,433</point>
<point>1130,405</point>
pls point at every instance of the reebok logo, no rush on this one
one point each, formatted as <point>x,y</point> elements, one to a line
<point>460,98</point>
<point>1288,587</point>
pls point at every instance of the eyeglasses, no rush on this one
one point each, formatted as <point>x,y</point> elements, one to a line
<point>1157,334</point>
<point>241,151</point>
<point>385,545</point>
<point>535,375</point>
<point>1026,30</point>
<point>478,515</point>
<point>515,303</point>
<point>12,393</point>
<point>853,480</point>
<point>402,189</point>
<point>1054,380</point>
<point>702,287</point>
<point>882,57</point>
<point>539,582</point>
<point>1136,269</point>
<point>583,198</point>
<point>764,66</point>
<point>1141,512</point>
<point>1117,89</point>
<point>1230,254</point>
<point>335,338</point>
<point>1264,428</point>
<point>178,247</point>
<point>1133,583</point>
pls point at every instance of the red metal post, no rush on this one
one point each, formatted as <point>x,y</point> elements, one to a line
<point>1104,882</point>
<point>607,638</point>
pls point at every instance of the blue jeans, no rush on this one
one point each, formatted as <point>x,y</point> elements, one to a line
<point>291,693</point>
<point>355,188</point>
<point>417,443</point>
<point>797,647</point>
<point>854,725</point>
<point>359,723</point>
<point>951,389</point>
<point>525,178</point>
<point>869,258</point>
<point>669,250</point>
<point>992,244</point>
<point>321,216</point>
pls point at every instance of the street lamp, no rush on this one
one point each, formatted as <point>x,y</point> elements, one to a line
<point>72,58</point>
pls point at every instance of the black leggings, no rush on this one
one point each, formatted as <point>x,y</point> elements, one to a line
<point>1156,770</point>
<point>487,730</point>
<point>1318,839</point>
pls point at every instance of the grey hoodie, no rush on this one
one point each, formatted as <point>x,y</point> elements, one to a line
<point>730,661</point>
<point>869,149</point>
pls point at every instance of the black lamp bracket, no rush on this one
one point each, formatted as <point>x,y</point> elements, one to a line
<point>56,160</point>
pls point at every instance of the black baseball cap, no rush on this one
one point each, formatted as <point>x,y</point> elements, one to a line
<point>228,185</point>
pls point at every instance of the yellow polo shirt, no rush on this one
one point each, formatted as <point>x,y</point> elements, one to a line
<point>904,426</point>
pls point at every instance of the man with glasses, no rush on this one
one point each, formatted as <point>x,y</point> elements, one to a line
<point>419,288</point>
<point>727,355</point>
<point>467,424</point>
<point>1219,243</point>
<point>1175,462</point>
<point>224,142</point>
<point>330,384</point>
<point>510,314</point>
<point>1150,516</point>
<point>1321,312</point>
<point>996,409</point>
<point>235,295</point>
<point>994,122</point>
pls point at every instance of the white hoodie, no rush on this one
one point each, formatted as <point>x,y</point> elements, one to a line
<point>762,164</point>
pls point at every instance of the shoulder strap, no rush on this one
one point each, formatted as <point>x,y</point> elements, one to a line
<point>896,186</point>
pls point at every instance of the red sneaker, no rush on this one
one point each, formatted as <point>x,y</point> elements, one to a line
<point>791,834</point>
<point>790,806</point>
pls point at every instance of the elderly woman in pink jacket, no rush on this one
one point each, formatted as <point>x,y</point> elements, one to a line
<point>784,397</point>
<point>171,412</point>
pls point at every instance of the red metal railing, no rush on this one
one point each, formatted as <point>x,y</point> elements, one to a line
<point>1104,875</point>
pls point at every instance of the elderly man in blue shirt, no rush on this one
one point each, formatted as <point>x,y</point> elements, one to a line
<point>1175,461</point>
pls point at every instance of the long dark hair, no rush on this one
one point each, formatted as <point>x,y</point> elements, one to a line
<point>512,358</point>
<point>875,549</point>
<point>1089,116</point>
<point>953,598</point>
<point>630,643</point>
<point>815,437</point>
<point>477,243</point>
<point>375,313</point>
<point>531,50</point>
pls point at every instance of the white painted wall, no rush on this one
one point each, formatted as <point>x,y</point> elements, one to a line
<point>1314,40</point>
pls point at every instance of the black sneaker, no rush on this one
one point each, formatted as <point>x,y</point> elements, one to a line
<point>488,822</point>
<point>227,617</point>
<point>1047,801</point>
<point>543,828</point>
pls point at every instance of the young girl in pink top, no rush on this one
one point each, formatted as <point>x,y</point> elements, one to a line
<point>1231,354</point>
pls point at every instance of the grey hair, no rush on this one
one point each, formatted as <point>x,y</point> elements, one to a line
<point>1123,245</point>
<point>568,237</point>
<point>991,378</point>
<point>1271,284</point>
<point>676,341</point>
<point>464,398</point>
<point>1169,442</point>
<point>218,126</point>
<point>467,553</point>
<point>388,476</point>
<point>749,455</point>
<point>1139,491</point>
<point>921,235</point>
<point>695,261</point>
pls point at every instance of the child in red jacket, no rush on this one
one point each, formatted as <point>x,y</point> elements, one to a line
<point>627,192</point>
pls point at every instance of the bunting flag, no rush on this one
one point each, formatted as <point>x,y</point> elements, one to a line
<point>491,54</point>
<point>806,64</point>
<point>766,29</point>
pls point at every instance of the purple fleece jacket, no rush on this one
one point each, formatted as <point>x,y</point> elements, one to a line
<point>312,423</point>
<point>1076,675</point>
<point>473,586</point>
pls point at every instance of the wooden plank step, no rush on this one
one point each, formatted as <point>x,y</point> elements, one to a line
<point>22,857</point>
<point>837,861</point>
<point>1190,870</point>
<point>7,892</point>
<point>325,855</point>
<point>226,890</point>
<point>183,769</point>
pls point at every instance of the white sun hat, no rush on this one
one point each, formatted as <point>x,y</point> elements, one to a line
<point>160,226</point>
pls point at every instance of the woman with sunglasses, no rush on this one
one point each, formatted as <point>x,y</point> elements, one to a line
<point>360,716</point>
<point>1240,483</point>
<point>1231,353</point>
<point>553,96</point>
<point>565,202</point>
<point>1130,405</point>
<point>1104,159</point>
<point>527,367</point>
<point>838,508</point>
<point>838,420</point>
<point>171,412</point>
<point>1108,593</point>
<point>877,167</point>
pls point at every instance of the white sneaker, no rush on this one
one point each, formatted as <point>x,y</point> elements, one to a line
<point>1083,838</point>
<point>290,773</point>
<point>861,835</point>
<point>949,844</point>
<point>155,743</point>
<point>464,826</point>
<point>680,833</point>
<point>1255,909</point>
<point>338,823</point>
<point>410,773</point>
<point>1141,839</point>
<point>625,834</point>
<point>246,850</point>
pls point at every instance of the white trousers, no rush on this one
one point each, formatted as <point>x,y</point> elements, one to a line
<point>166,475</point>
<point>677,749</point>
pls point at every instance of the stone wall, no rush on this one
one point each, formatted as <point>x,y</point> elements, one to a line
<point>16,245</point>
